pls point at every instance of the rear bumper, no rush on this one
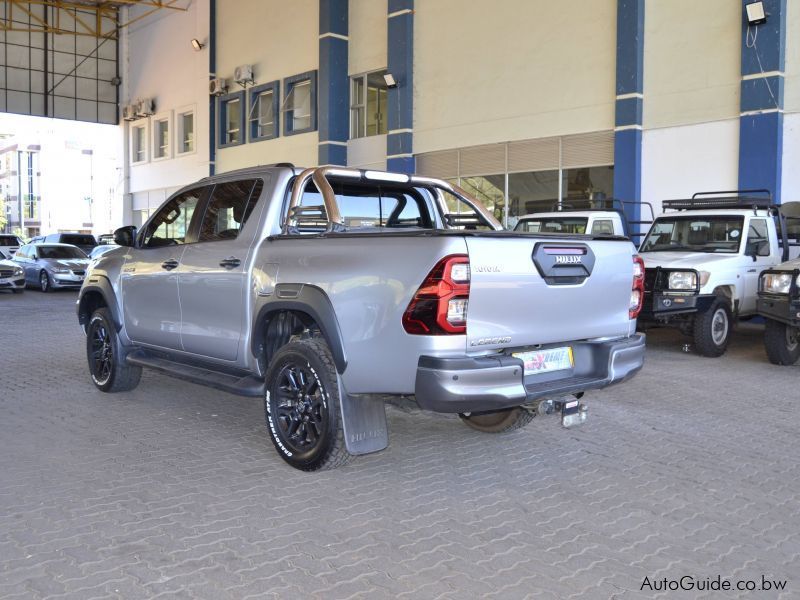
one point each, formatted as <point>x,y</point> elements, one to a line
<point>454,385</point>
<point>780,308</point>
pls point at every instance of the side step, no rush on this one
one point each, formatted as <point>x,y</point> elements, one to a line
<point>239,385</point>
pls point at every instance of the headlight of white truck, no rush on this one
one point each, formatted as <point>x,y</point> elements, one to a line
<point>682,280</point>
<point>777,283</point>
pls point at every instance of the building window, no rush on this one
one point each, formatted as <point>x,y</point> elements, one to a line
<point>263,115</point>
<point>185,126</point>
<point>138,144</point>
<point>368,96</point>
<point>231,120</point>
<point>160,137</point>
<point>300,103</point>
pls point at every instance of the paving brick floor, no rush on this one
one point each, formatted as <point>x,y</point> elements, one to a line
<point>175,491</point>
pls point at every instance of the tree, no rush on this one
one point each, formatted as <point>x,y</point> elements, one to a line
<point>3,219</point>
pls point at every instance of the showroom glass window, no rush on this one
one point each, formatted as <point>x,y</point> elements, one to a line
<point>172,222</point>
<point>368,98</point>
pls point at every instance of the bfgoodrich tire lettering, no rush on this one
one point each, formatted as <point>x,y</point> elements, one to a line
<point>107,369</point>
<point>302,406</point>
<point>782,343</point>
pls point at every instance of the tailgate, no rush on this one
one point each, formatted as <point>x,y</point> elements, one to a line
<point>526,290</point>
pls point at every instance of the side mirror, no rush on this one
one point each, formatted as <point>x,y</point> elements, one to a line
<point>125,236</point>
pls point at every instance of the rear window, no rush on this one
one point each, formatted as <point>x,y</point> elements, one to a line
<point>78,239</point>
<point>59,252</point>
<point>560,225</point>
<point>366,206</point>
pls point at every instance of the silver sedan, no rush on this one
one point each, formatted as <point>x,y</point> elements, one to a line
<point>52,266</point>
<point>12,277</point>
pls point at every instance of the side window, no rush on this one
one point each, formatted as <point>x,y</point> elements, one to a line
<point>758,238</point>
<point>603,227</point>
<point>171,223</point>
<point>229,208</point>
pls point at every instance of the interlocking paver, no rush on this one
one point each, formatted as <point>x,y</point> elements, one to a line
<point>174,490</point>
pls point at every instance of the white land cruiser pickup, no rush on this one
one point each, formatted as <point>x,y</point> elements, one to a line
<point>593,222</point>
<point>703,260</point>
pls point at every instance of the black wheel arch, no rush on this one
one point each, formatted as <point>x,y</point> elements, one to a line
<point>312,307</point>
<point>96,294</point>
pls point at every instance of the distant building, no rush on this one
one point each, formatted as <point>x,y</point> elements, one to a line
<point>59,176</point>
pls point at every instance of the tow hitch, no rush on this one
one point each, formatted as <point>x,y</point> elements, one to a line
<point>573,411</point>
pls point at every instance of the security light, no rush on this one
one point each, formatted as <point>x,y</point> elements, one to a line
<point>755,13</point>
<point>390,80</point>
<point>196,44</point>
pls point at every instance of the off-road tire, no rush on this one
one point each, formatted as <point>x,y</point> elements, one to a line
<point>782,342</point>
<point>45,285</point>
<point>500,421</point>
<point>312,408</point>
<point>708,335</point>
<point>117,376</point>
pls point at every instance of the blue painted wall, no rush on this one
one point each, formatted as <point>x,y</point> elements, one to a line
<point>761,120</point>
<point>399,141</point>
<point>333,84</point>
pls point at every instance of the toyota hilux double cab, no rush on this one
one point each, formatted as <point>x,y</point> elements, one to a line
<point>326,291</point>
<point>703,258</point>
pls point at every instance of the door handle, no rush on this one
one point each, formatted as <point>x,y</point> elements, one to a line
<point>169,264</point>
<point>752,270</point>
<point>230,263</point>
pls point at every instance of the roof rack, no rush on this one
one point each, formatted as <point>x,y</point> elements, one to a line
<point>752,199</point>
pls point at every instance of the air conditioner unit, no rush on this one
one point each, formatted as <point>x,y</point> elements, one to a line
<point>243,74</point>
<point>145,107</point>
<point>128,112</point>
<point>217,87</point>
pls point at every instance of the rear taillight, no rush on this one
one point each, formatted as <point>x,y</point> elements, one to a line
<point>440,305</point>
<point>637,289</point>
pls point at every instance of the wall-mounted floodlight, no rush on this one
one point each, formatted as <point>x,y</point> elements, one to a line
<point>390,81</point>
<point>755,13</point>
<point>197,45</point>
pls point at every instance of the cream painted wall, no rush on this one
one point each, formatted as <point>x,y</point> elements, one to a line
<point>367,152</point>
<point>792,83</point>
<point>790,188</point>
<point>368,27</point>
<point>166,67</point>
<point>679,161</point>
<point>279,39</point>
<point>692,61</point>
<point>510,70</point>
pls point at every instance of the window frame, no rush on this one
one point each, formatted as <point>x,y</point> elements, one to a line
<point>179,114</point>
<point>222,120</point>
<point>252,120</point>
<point>145,143</point>
<point>154,138</point>
<point>192,229</point>
<point>364,105</point>
<point>289,83</point>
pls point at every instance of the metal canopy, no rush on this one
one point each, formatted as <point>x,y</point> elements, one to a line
<point>94,18</point>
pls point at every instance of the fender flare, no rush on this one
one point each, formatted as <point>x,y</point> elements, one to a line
<point>98,284</point>
<point>308,299</point>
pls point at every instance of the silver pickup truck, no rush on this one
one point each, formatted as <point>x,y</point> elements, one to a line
<point>328,291</point>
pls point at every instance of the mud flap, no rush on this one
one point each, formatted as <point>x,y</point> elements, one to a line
<point>364,423</point>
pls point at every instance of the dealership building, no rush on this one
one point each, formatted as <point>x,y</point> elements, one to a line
<point>524,103</point>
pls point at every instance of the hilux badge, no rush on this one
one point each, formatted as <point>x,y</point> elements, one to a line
<point>567,259</point>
